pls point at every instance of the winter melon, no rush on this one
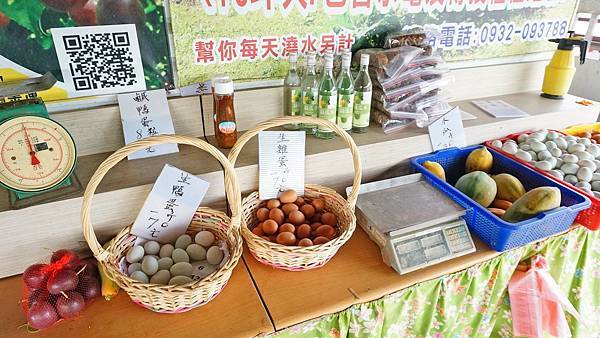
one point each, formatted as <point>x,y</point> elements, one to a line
<point>509,187</point>
<point>479,186</point>
<point>532,203</point>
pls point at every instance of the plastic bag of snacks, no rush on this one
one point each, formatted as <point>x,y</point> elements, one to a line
<point>58,290</point>
<point>409,37</point>
<point>388,62</point>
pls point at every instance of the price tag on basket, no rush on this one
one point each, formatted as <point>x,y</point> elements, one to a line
<point>170,206</point>
<point>145,114</point>
<point>281,162</point>
<point>447,131</point>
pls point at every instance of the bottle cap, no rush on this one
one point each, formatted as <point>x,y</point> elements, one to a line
<point>328,61</point>
<point>364,60</point>
<point>293,57</point>
<point>346,59</point>
<point>223,86</point>
<point>311,59</point>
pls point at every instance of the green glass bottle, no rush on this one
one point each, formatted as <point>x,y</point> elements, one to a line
<point>327,99</point>
<point>292,93</point>
<point>310,93</point>
<point>345,89</point>
<point>362,97</point>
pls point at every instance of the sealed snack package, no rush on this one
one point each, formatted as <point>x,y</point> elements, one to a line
<point>409,37</point>
<point>58,290</point>
<point>389,62</point>
<point>388,124</point>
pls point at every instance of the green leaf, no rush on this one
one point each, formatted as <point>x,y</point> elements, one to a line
<point>26,13</point>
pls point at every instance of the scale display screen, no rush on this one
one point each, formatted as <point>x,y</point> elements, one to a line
<point>432,246</point>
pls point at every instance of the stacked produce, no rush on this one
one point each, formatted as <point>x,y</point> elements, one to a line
<point>502,194</point>
<point>576,160</point>
<point>58,290</point>
<point>179,263</point>
<point>295,221</point>
<point>408,77</point>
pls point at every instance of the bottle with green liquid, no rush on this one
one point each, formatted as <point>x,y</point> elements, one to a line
<point>310,93</point>
<point>362,97</point>
<point>327,99</point>
<point>292,93</point>
<point>345,89</point>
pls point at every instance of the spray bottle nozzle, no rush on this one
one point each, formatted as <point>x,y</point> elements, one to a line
<point>570,42</point>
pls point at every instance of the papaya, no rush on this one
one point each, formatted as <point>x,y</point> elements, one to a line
<point>509,187</point>
<point>532,203</point>
<point>479,186</point>
<point>479,160</point>
<point>435,169</point>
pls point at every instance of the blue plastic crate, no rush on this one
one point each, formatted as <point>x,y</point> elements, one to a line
<point>498,234</point>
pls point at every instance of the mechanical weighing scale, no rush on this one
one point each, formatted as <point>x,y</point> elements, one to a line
<point>413,223</point>
<point>37,155</point>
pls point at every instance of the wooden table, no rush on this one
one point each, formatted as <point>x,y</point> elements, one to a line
<point>236,312</point>
<point>356,274</point>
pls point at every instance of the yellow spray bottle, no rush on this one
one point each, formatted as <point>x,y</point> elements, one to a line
<point>561,69</point>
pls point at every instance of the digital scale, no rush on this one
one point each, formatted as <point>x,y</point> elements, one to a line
<point>413,223</point>
<point>37,155</point>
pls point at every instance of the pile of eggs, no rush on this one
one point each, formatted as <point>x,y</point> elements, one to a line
<point>295,221</point>
<point>575,160</point>
<point>177,263</point>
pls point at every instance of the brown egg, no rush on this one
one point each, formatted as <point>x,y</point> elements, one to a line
<point>274,203</point>
<point>316,218</point>
<point>329,218</point>
<point>315,225</point>
<point>258,230</point>
<point>289,207</point>
<point>305,242</point>
<point>287,227</point>
<point>303,231</point>
<point>277,215</point>
<point>288,196</point>
<point>308,211</point>
<point>266,238</point>
<point>286,238</point>
<point>326,231</point>
<point>296,217</point>
<point>320,240</point>
<point>318,204</point>
<point>262,214</point>
<point>269,227</point>
<point>299,201</point>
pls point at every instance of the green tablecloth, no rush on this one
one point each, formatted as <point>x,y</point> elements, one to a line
<point>473,302</point>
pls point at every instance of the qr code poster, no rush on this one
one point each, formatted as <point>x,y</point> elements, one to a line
<point>97,60</point>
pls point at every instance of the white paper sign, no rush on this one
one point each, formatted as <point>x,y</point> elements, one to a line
<point>281,162</point>
<point>202,88</point>
<point>98,60</point>
<point>499,108</point>
<point>447,131</point>
<point>145,114</point>
<point>170,206</point>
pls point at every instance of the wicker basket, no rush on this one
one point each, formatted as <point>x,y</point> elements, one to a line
<point>169,298</point>
<point>296,258</point>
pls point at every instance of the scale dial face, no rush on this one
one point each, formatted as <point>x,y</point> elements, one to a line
<point>36,153</point>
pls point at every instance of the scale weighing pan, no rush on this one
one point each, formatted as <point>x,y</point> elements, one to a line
<point>413,223</point>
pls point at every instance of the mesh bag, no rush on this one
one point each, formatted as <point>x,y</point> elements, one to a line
<point>58,290</point>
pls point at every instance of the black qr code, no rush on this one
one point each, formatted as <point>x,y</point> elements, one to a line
<point>100,60</point>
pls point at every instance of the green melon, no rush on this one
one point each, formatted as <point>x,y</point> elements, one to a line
<point>479,186</point>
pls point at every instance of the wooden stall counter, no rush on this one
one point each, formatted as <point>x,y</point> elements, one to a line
<point>236,312</point>
<point>356,274</point>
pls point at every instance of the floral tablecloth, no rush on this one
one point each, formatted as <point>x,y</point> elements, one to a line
<point>473,302</point>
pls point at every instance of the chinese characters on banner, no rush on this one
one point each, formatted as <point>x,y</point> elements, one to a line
<point>145,114</point>
<point>247,38</point>
<point>170,206</point>
<point>281,162</point>
<point>447,131</point>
